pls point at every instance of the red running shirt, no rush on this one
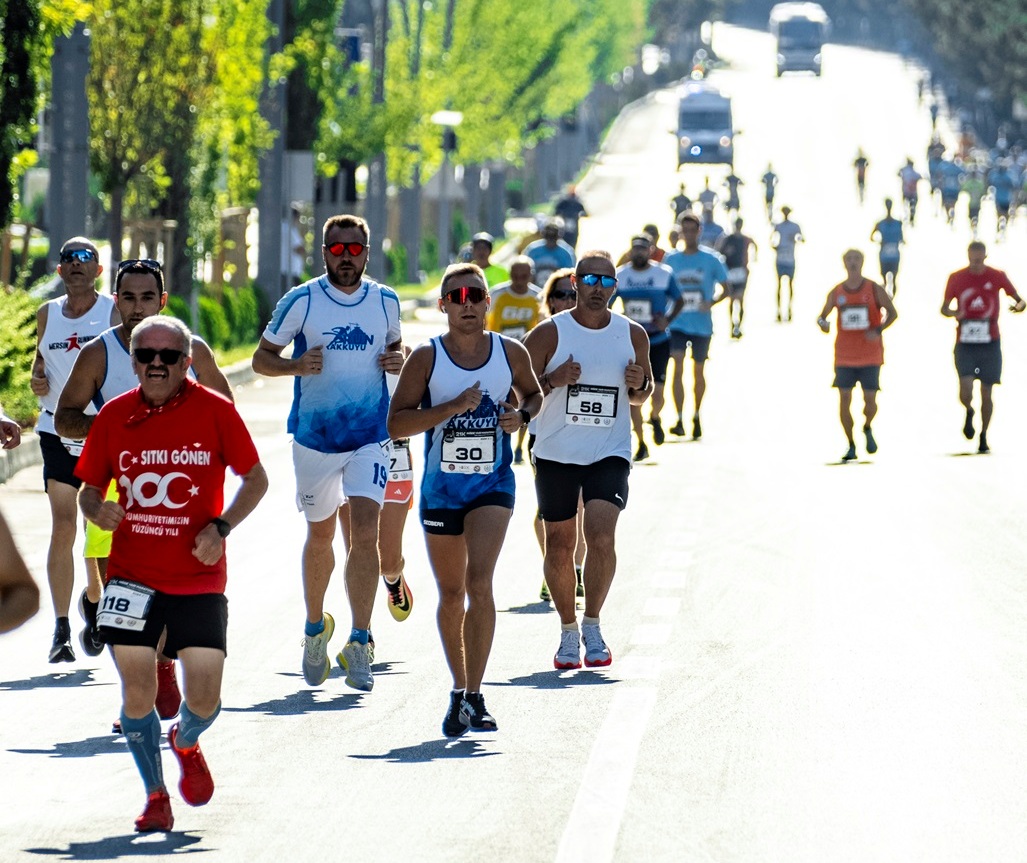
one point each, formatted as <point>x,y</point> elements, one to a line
<point>170,473</point>
<point>978,299</point>
<point>858,314</point>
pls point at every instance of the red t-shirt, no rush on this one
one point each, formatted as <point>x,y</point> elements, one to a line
<point>978,300</point>
<point>170,473</point>
<point>858,314</point>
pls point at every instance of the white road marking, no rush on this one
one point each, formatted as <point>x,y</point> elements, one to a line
<point>594,822</point>
<point>668,607</point>
<point>651,634</point>
<point>636,667</point>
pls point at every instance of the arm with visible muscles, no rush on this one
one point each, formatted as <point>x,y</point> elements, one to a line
<point>406,416</point>
<point>207,370</point>
<point>639,374</point>
<point>70,419</point>
<point>526,387</point>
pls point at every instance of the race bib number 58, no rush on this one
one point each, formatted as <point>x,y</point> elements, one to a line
<point>591,405</point>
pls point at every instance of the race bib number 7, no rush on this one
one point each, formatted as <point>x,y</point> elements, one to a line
<point>591,405</point>
<point>400,466</point>
<point>125,605</point>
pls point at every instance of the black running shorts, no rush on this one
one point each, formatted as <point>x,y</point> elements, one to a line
<point>659,356</point>
<point>192,620</point>
<point>868,377</point>
<point>450,522</point>
<point>58,463</point>
<point>558,485</point>
<point>983,362</point>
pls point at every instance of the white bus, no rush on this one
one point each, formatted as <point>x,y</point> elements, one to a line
<point>800,30</point>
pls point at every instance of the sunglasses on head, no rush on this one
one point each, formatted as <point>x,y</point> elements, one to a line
<point>466,295</point>
<point>593,279</point>
<point>142,263</point>
<point>81,255</point>
<point>563,295</point>
<point>355,249</point>
<point>168,356</point>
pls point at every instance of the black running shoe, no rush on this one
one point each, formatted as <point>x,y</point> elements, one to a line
<point>474,714</point>
<point>696,427</point>
<point>451,724</point>
<point>981,447</point>
<point>850,453</point>
<point>658,436</point>
<point>61,650</point>
<point>871,443</point>
<point>642,452</point>
<point>678,429</point>
<point>968,424</point>
<point>89,638</point>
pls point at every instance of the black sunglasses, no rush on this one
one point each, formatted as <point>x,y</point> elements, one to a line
<point>81,255</point>
<point>168,356</point>
<point>355,249</point>
<point>563,295</point>
<point>143,263</point>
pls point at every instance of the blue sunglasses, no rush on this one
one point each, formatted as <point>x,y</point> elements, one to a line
<point>593,279</point>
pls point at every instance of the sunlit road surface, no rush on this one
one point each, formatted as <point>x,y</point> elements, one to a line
<point>813,661</point>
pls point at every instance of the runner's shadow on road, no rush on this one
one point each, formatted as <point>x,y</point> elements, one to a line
<point>558,679</point>
<point>468,746</point>
<point>965,454</point>
<point>106,745</point>
<point>56,680</point>
<point>840,463</point>
<point>117,847</point>
<point>302,703</point>
<point>539,607</point>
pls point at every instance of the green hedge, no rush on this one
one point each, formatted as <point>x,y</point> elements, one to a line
<point>234,319</point>
<point>17,349</point>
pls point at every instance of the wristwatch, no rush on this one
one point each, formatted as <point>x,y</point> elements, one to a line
<point>223,527</point>
<point>525,416</point>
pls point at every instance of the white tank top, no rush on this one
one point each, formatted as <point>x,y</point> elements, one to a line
<point>590,421</point>
<point>62,340</point>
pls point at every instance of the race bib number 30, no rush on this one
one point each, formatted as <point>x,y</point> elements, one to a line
<point>400,466</point>
<point>125,605</point>
<point>975,332</point>
<point>854,318</point>
<point>468,450</point>
<point>591,405</point>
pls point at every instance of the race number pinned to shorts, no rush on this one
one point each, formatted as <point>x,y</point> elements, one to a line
<point>468,450</point>
<point>125,605</point>
<point>640,311</point>
<point>737,276</point>
<point>401,468</point>
<point>692,301</point>
<point>591,405</point>
<point>975,332</point>
<point>854,318</point>
<point>74,447</point>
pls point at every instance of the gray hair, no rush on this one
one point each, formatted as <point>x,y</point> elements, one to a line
<point>166,322</point>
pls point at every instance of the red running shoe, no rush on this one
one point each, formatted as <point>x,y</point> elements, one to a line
<point>157,814</point>
<point>196,785</point>
<point>169,699</point>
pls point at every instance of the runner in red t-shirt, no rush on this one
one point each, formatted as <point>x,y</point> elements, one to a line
<point>972,298</point>
<point>858,349</point>
<point>166,444</point>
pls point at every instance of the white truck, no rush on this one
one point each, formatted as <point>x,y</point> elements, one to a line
<point>705,131</point>
<point>800,30</point>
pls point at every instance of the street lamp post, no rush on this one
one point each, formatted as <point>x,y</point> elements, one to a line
<point>448,120</point>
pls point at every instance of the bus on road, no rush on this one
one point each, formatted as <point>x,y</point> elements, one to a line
<point>800,30</point>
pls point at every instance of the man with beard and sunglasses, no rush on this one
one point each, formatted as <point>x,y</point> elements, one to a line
<point>592,365</point>
<point>104,370</point>
<point>469,390</point>
<point>63,327</point>
<point>167,444</point>
<point>345,332</point>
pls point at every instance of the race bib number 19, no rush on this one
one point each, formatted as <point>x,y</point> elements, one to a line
<point>591,405</point>
<point>125,605</point>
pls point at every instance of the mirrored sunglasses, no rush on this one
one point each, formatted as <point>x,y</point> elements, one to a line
<point>81,255</point>
<point>593,279</point>
<point>466,295</point>
<point>355,249</point>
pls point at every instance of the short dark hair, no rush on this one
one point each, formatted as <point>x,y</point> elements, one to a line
<point>148,268</point>
<point>460,269</point>
<point>345,220</point>
<point>592,253</point>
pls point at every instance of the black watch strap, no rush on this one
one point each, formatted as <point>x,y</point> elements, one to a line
<point>222,526</point>
<point>525,415</point>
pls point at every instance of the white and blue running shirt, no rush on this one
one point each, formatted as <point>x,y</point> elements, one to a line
<point>346,406</point>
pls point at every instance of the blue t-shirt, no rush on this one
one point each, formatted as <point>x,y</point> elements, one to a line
<point>696,276</point>
<point>547,260</point>
<point>645,294</point>
<point>344,407</point>
<point>1003,184</point>
<point>890,233</point>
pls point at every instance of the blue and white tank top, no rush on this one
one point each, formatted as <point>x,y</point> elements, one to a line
<point>468,455</point>
<point>346,406</point>
<point>590,421</point>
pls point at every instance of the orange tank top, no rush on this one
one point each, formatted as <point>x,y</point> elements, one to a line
<point>858,316</point>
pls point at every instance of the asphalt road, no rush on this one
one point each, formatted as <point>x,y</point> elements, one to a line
<point>813,661</point>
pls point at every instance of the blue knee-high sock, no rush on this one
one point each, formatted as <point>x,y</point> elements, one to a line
<point>191,726</point>
<point>143,736</point>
